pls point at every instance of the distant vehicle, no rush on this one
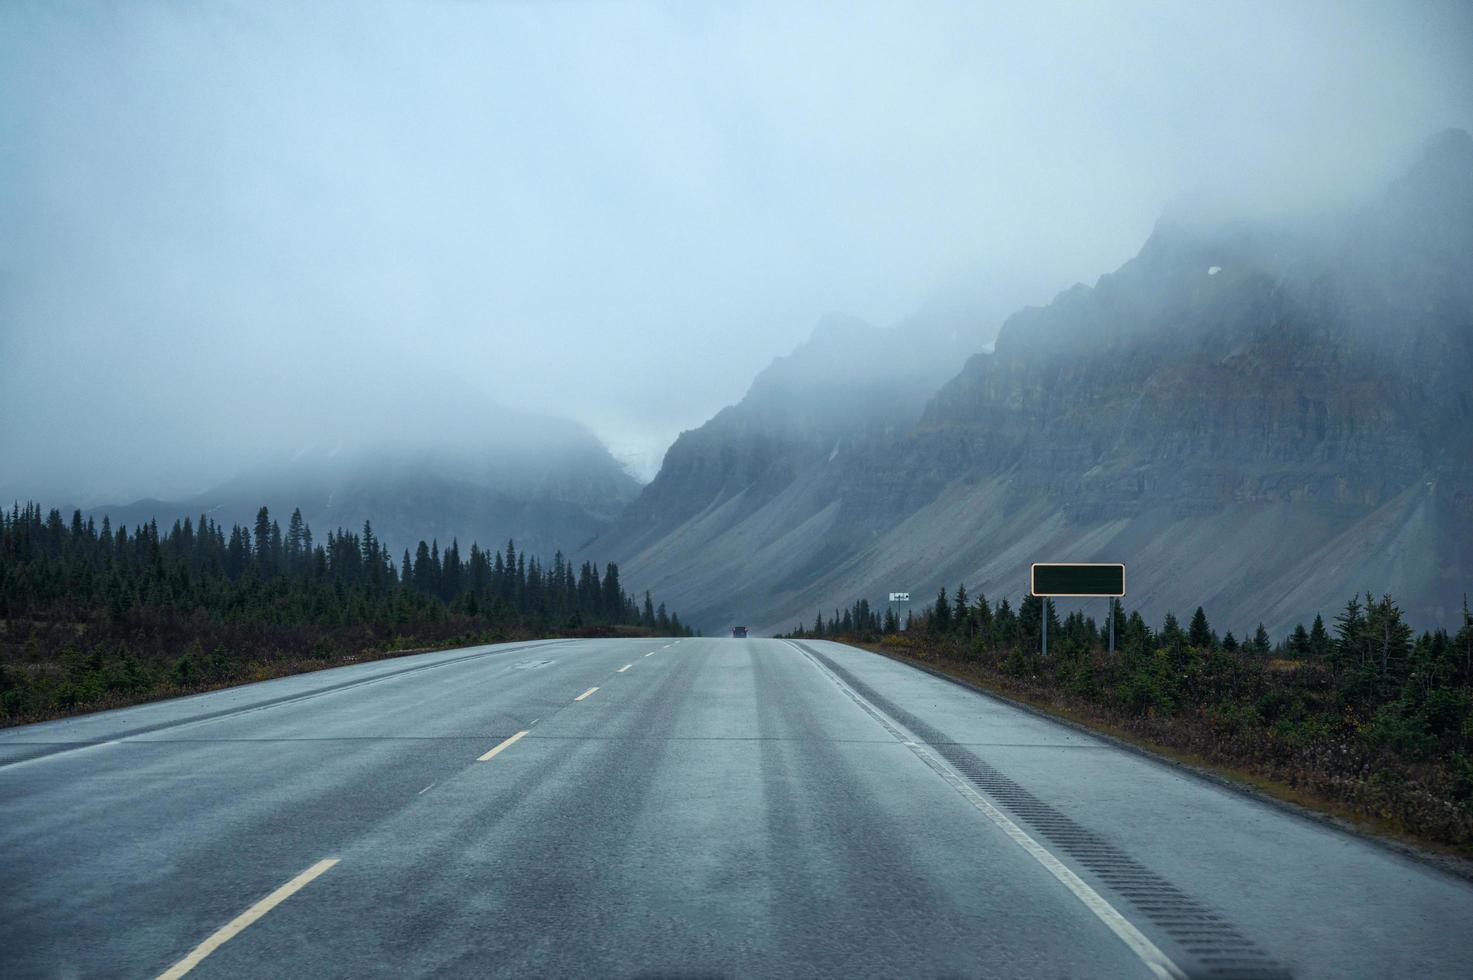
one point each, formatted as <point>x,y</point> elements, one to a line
<point>739,632</point>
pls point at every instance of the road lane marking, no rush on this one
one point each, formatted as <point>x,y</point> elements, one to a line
<point>623,668</point>
<point>1148,952</point>
<point>425,790</point>
<point>506,743</point>
<point>585,694</point>
<point>652,653</point>
<point>491,650</point>
<point>232,928</point>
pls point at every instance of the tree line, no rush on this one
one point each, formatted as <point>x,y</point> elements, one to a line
<point>92,615</point>
<point>1364,710</point>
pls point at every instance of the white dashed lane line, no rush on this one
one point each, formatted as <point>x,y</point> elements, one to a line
<point>236,925</point>
<point>504,744</point>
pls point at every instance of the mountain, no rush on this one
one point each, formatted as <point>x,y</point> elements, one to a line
<point>1257,417</point>
<point>759,470</point>
<point>545,482</point>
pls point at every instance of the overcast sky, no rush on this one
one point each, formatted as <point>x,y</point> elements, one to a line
<point>228,230</point>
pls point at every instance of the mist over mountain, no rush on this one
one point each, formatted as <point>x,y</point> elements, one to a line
<point>849,384</point>
<point>1252,414</point>
<point>545,482</point>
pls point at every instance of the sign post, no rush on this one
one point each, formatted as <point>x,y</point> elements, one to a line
<point>898,597</point>
<point>1073,581</point>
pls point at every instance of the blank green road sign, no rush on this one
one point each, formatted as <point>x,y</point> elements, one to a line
<point>1057,579</point>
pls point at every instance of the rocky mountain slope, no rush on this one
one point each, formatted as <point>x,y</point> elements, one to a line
<point>547,483</point>
<point>756,471</point>
<point>1258,418</point>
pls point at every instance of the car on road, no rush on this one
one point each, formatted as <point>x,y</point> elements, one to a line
<point>739,632</point>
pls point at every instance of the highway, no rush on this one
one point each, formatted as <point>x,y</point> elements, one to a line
<point>663,808</point>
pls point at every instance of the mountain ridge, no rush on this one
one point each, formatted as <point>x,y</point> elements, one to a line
<point>1261,391</point>
<point>546,483</point>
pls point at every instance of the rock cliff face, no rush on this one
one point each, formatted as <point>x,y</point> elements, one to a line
<point>849,386</point>
<point>1258,419</point>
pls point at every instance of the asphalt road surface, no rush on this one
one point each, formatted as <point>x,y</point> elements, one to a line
<point>702,807</point>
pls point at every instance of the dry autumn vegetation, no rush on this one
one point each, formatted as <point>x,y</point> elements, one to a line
<point>1364,718</point>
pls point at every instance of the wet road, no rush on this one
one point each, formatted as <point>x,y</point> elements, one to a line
<point>702,807</point>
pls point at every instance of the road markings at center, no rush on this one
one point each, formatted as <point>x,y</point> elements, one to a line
<point>651,653</point>
<point>585,694</point>
<point>623,668</point>
<point>232,928</point>
<point>506,743</point>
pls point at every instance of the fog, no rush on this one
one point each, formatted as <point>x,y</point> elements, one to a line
<point>231,231</point>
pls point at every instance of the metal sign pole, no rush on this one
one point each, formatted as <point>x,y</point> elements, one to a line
<point>1043,614</point>
<point>1112,625</point>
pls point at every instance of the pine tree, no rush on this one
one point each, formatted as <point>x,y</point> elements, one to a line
<point>1261,642</point>
<point>1319,640</point>
<point>296,549</point>
<point>509,585</point>
<point>263,540</point>
<point>1030,622</point>
<point>1199,634</point>
<point>236,554</point>
<point>424,570</point>
<point>613,594</point>
<point>1349,632</point>
<point>982,621</point>
<point>1390,636</point>
<point>941,614</point>
<point>451,571</point>
<point>1005,623</point>
<point>274,560</point>
<point>1053,617</point>
<point>1464,642</point>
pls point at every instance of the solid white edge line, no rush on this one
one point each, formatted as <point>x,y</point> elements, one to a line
<point>504,743</point>
<point>585,694</point>
<point>233,928</point>
<point>1148,952</point>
